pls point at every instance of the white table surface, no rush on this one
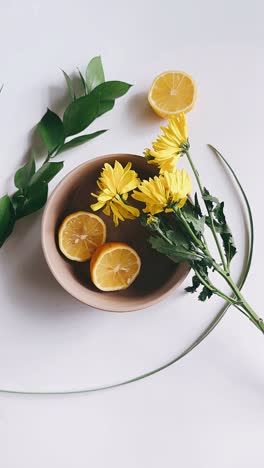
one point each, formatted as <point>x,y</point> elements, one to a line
<point>208,409</point>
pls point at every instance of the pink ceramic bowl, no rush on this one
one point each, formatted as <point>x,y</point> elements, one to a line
<point>158,276</point>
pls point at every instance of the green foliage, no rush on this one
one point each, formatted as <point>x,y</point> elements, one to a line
<point>216,208</point>
<point>178,253</point>
<point>82,81</point>
<point>205,293</point>
<point>32,185</point>
<point>195,285</point>
<point>173,243</point>
<point>79,141</point>
<point>111,90</point>
<point>80,114</point>
<point>197,207</point>
<point>94,73</point>
<point>31,201</point>
<point>33,194</point>
<point>25,173</point>
<point>210,201</point>
<point>51,130</point>
<point>7,218</point>
<point>45,173</point>
<point>195,220</point>
<point>69,85</point>
<point>105,106</point>
<point>198,281</point>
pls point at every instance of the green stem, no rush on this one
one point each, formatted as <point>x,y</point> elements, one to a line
<point>215,290</point>
<point>197,177</point>
<point>197,241</point>
<point>258,321</point>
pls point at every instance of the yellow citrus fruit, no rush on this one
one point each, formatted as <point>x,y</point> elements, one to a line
<point>114,266</point>
<point>172,92</point>
<point>80,234</point>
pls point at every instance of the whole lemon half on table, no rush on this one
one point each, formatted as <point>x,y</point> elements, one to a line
<point>80,234</point>
<point>114,266</point>
<point>172,92</point>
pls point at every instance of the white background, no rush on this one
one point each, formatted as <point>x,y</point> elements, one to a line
<point>207,410</point>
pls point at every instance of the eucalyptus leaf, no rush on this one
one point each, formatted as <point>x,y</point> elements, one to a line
<point>111,90</point>
<point>79,140</point>
<point>46,173</point>
<point>80,114</point>
<point>7,218</point>
<point>51,130</point>
<point>25,173</point>
<point>69,85</point>
<point>94,73</point>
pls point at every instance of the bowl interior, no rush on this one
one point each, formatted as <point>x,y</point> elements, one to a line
<point>158,274</point>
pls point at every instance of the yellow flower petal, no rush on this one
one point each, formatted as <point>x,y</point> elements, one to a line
<point>163,192</point>
<point>168,147</point>
<point>115,183</point>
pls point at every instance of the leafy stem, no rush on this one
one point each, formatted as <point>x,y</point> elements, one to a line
<point>212,225</point>
<point>59,135</point>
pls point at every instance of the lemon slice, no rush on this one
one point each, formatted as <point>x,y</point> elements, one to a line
<point>172,92</point>
<point>114,266</point>
<point>80,234</point>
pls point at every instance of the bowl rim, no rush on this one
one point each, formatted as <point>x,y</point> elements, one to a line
<point>122,307</point>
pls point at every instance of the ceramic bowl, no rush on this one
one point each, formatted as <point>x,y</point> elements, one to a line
<point>158,277</point>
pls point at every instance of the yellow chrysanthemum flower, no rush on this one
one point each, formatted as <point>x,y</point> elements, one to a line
<point>163,192</point>
<point>169,146</point>
<point>114,184</point>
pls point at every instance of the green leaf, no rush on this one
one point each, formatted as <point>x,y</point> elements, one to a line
<point>69,85</point>
<point>7,218</point>
<point>197,207</point>
<point>79,140</point>
<point>228,240</point>
<point>223,229</point>
<point>209,200</point>
<point>190,214</point>
<point>105,106</point>
<point>46,173</point>
<point>195,285</point>
<point>178,238</point>
<point>82,80</point>
<point>176,254</point>
<point>51,130</point>
<point>80,114</point>
<point>24,174</point>
<point>111,90</point>
<point>34,199</point>
<point>206,293</point>
<point>94,73</point>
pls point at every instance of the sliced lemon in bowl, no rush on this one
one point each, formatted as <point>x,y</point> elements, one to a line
<point>114,266</point>
<point>172,92</point>
<point>80,234</point>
